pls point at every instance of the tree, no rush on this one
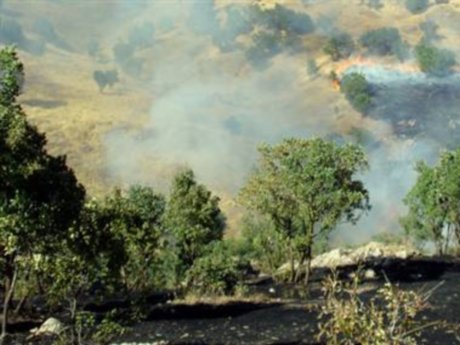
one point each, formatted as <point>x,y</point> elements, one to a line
<point>383,41</point>
<point>358,91</point>
<point>138,220</point>
<point>193,218</point>
<point>105,78</point>
<point>306,187</point>
<point>40,196</point>
<point>434,201</point>
<point>433,60</point>
<point>416,6</point>
<point>339,47</point>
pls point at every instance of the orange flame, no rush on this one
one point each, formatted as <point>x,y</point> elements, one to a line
<point>343,66</point>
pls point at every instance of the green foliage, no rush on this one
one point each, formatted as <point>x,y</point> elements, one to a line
<point>383,41</point>
<point>193,218</point>
<point>40,196</point>
<point>434,61</point>
<point>388,318</point>
<point>105,78</point>
<point>433,203</point>
<point>357,91</point>
<point>306,187</point>
<point>216,273</point>
<point>284,19</point>
<point>339,47</point>
<point>263,243</point>
<point>416,6</point>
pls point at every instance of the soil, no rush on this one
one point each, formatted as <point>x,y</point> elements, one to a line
<point>289,314</point>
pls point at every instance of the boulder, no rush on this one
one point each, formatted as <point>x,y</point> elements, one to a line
<point>51,326</point>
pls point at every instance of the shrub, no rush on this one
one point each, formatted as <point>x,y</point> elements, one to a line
<point>105,78</point>
<point>387,318</point>
<point>416,6</point>
<point>433,60</point>
<point>383,41</point>
<point>284,19</point>
<point>357,91</point>
<point>216,273</point>
<point>339,47</point>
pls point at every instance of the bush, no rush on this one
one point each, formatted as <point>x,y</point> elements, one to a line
<point>280,18</point>
<point>216,273</point>
<point>383,41</point>
<point>339,47</point>
<point>433,60</point>
<point>388,318</point>
<point>105,78</point>
<point>357,91</point>
<point>416,6</point>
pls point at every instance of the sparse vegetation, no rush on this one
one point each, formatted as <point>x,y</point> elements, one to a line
<point>388,318</point>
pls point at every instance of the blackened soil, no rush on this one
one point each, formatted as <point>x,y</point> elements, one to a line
<point>291,315</point>
<point>294,318</point>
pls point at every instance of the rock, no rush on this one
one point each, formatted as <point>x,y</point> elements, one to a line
<point>339,257</point>
<point>51,326</point>
<point>369,274</point>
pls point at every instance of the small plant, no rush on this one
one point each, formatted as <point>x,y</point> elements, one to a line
<point>389,318</point>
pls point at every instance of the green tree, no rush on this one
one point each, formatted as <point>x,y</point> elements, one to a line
<point>306,187</point>
<point>383,41</point>
<point>339,47</point>
<point>39,195</point>
<point>138,220</point>
<point>358,91</point>
<point>105,78</point>
<point>193,218</point>
<point>434,201</point>
<point>433,60</point>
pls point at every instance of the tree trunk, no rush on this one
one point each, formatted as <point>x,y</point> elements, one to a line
<point>10,284</point>
<point>308,266</point>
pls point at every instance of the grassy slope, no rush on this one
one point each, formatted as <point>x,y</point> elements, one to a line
<point>77,124</point>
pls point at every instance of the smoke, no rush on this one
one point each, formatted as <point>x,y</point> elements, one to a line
<point>224,76</point>
<point>212,108</point>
